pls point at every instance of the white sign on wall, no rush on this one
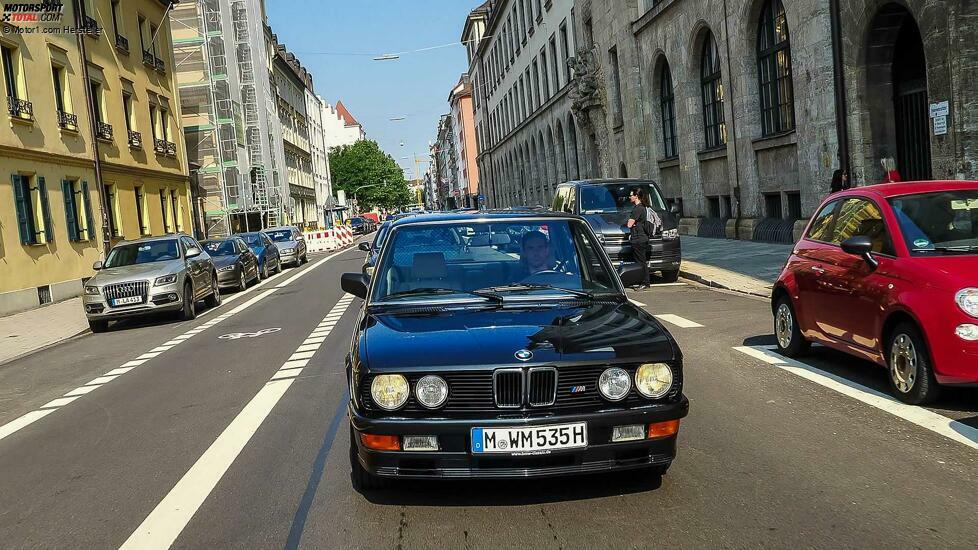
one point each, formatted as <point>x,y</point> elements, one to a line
<point>940,125</point>
<point>941,109</point>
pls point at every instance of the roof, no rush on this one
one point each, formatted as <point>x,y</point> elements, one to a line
<point>482,216</point>
<point>600,181</point>
<point>279,228</point>
<point>167,237</point>
<point>345,114</point>
<point>887,190</point>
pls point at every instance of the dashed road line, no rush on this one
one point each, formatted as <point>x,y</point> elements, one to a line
<point>165,523</point>
<point>27,419</point>
<point>680,322</point>
<point>939,424</point>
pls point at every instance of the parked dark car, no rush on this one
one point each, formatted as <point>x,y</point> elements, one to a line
<point>606,207</point>
<point>469,361</point>
<point>889,273</point>
<point>237,265</point>
<point>361,226</point>
<point>373,248</point>
<point>269,261</point>
<point>290,243</point>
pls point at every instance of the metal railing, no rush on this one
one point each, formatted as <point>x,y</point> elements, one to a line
<point>149,59</point>
<point>103,130</point>
<point>20,108</point>
<point>171,149</point>
<point>67,120</point>
<point>774,230</point>
<point>160,65</point>
<point>714,228</point>
<point>159,146</point>
<point>122,43</point>
<point>135,139</point>
<point>91,25</point>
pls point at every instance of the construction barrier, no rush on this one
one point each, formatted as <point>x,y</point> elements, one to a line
<point>325,240</point>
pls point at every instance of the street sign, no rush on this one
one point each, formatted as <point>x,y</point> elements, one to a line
<point>941,109</point>
<point>940,125</point>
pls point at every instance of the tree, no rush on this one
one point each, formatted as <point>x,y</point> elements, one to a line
<point>364,163</point>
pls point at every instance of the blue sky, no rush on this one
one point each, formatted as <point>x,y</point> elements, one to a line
<point>416,85</point>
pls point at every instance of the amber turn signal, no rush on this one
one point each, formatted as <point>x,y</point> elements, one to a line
<point>663,429</point>
<point>381,442</point>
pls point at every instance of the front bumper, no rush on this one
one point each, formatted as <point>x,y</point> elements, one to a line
<point>161,299</point>
<point>455,460</point>
<point>663,255</point>
<point>228,279</point>
<point>288,257</point>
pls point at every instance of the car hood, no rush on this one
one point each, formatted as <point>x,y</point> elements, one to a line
<point>286,244</point>
<point>615,223</point>
<point>223,261</point>
<point>490,337</point>
<point>148,271</point>
<point>949,272</point>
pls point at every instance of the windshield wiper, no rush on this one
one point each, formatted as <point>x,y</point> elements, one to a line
<point>482,293</point>
<point>528,286</point>
<point>958,249</point>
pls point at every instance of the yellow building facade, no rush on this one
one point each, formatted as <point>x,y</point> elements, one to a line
<point>69,96</point>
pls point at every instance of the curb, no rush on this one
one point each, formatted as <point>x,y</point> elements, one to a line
<point>81,332</point>
<point>714,284</point>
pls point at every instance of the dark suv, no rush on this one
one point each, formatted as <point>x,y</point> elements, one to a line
<point>475,358</point>
<point>605,206</point>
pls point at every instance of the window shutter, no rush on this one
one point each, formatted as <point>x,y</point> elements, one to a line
<point>23,212</point>
<point>71,222</point>
<point>42,190</point>
<point>89,220</point>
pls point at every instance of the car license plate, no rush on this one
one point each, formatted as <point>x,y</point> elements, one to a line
<point>127,301</point>
<point>532,440</point>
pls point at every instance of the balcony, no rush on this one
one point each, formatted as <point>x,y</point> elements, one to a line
<point>159,146</point>
<point>122,43</point>
<point>68,121</point>
<point>20,108</point>
<point>103,131</point>
<point>160,65</point>
<point>149,59</point>
<point>135,140</point>
<point>91,26</point>
<point>171,149</point>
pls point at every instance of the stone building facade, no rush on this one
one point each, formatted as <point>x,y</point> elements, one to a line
<point>743,110</point>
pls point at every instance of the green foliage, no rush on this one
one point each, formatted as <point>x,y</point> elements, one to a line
<point>364,163</point>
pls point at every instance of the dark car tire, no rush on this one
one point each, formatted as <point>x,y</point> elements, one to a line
<point>242,281</point>
<point>790,341</point>
<point>670,276</point>
<point>98,326</point>
<point>305,258</point>
<point>361,478</point>
<point>189,311</point>
<point>278,265</point>
<point>907,355</point>
<point>214,299</point>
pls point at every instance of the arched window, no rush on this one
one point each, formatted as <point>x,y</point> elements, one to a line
<point>712,86</point>
<point>774,70</point>
<point>667,105</point>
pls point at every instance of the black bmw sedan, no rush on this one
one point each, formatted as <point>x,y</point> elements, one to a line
<point>503,346</point>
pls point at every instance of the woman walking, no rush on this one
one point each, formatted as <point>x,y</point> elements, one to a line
<point>642,222</point>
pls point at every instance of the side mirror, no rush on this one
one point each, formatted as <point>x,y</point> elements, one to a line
<point>862,246</point>
<point>355,284</point>
<point>674,209</point>
<point>193,252</point>
<point>632,274</point>
<point>97,266</point>
<point>364,246</point>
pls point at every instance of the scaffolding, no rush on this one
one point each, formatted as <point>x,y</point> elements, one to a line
<point>216,45</point>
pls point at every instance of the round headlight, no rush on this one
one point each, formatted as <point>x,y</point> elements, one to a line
<point>431,391</point>
<point>653,380</point>
<point>614,384</point>
<point>967,300</point>
<point>390,391</point>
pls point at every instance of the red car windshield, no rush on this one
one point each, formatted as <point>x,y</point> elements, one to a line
<point>939,223</point>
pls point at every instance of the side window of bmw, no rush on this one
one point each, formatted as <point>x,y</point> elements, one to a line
<point>822,223</point>
<point>861,217</point>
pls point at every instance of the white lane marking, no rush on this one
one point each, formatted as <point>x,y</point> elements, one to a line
<point>678,321</point>
<point>165,523</point>
<point>939,424</point>
<point>667,284</point>
<point>307,347</point>
<point>161,349</point>
<point>102,380</point>
<point>33,416</point>
<point>315,340</point>
<point>120,370</point>
<point>59,402</point>
<point>302,355</point>
<point>295,364</point>
<point>636,302</point>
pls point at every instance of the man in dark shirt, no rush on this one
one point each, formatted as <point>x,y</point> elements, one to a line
<point>639,222</point>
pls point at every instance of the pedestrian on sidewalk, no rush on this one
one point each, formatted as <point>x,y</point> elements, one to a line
<point>642,222</point>
<point>840,180</point>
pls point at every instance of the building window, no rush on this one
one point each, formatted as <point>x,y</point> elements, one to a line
<point>33,210</point>
<point>536,81</point>
<point>565,49</point>
<point>545,77</point>
<point>141,211</point>
<point>556,63</point>
<point>616,101</point>
<point>712,86</point>
<point>175,210</point>
<point>165,212</point>
<point>97,100</point>
<point>774,70</point>
<point>62,99</point>
<point>152,122</point>
<point>112,210</point>
<point>78,210</point>
<point>667,108</point>
<point>17,104</point>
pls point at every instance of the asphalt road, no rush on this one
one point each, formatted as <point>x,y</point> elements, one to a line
<point>242,442</point>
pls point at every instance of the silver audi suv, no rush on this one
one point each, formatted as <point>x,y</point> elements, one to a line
<point>152,275</point>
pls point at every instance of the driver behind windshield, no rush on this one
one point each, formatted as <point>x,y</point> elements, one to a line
<point>537,256</point>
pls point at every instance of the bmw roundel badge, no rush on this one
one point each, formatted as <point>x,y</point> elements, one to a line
<point>524,355</point>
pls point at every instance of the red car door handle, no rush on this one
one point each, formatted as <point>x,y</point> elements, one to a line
<point>817,269</point>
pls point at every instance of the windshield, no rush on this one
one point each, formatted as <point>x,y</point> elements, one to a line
<point>613,197</point>
<point>220,248</point>
<point>280,236</point>
<point>538,258</point>
<point>939,223</point>
<point>381,236</point>
<point>356,221</point>
<point>251,239</point>
<point>143,253</point>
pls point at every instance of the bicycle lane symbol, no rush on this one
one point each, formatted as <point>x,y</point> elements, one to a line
<point>256,334</point>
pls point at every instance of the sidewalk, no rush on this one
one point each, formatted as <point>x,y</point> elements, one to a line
<point>743,266</point>
<point>23,333</point>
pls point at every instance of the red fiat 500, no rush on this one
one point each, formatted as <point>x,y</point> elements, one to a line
<point>889,273</point>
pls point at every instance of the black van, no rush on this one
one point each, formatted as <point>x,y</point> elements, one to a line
<point>605,205</point>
